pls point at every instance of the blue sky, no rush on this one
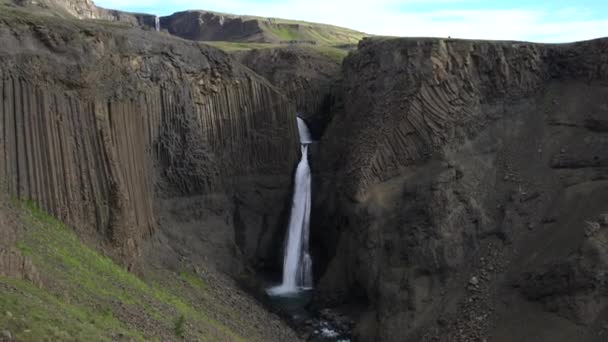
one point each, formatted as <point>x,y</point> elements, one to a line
<point>541,21</point>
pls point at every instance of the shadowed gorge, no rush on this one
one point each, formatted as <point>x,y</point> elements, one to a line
<point>154,182</point>
<point>442,179</point>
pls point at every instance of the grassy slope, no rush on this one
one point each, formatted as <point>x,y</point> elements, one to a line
<point>333,53</point>
<point>50,9</point>
<point>33,15</point>
<point>329,40</point>
<point>322,34</point>
<point>85,296</point>
<point>287,29</point>
<point>328,37</point>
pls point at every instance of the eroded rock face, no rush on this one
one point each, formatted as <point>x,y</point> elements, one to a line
<point>210,26</point>
<point>307,78</point>
<point>575,286</point>
<point>443,147</point>
<point>101,125</point>
<point>86,9</point>
<point>213,26</point>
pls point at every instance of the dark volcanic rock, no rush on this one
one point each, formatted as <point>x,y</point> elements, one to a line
<point>443,147</point>
<point>102,126</point>
<point>575,287</point>
<point>210,26</point>
<point>305,76</point>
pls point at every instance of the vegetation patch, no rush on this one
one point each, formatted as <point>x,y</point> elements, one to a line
<point>86,296</point>
<point>178,326</point>
<point>334,53</point>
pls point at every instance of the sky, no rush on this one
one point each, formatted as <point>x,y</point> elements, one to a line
<point>548,21</point>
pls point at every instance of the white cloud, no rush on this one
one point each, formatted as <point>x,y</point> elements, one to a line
<point>382,17</point>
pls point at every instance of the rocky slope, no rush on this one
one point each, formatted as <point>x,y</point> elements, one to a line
<point>84,9</point>
<point>212,26</point>
<point>454,187</point>
<point>56,288</point>
<point>203,25</point>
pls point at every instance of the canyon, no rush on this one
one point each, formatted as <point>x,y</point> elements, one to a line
<point>459,187</point>
<point>458,176</point>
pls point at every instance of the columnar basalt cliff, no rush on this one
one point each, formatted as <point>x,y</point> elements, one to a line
<point>307,77</point>
<point>100,125</point>
<point>459,188</point>
<point>455,167</point>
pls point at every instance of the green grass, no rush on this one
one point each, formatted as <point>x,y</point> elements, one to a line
<point>192,280</point>
<point>86,296</point>
<point>327,37</point>
<point>286,30</point>
<point>302,30</point>
<point>178,326</point>
<point>284,33</point>
<point>32,15</point>
<point>34,314</point>
<point>334,53</point>
<point>240,46</point>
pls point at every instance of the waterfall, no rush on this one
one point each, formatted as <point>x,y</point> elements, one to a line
<point>157,23</point>
<point>304,133</point>
<point>297,263</point>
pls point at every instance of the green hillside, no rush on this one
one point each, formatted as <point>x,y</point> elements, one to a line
<point>334,53</point>
<point>286,30</point>
<point>84,296</point>
<point>298,30</point>
<point>237,33</point>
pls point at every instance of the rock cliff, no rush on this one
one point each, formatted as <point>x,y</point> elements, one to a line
<point>307,77</point>
<point>213,26</point>
<point>457,169</point>
<point>100,125</point>
<point>86,9</point>
<point>460,186</point>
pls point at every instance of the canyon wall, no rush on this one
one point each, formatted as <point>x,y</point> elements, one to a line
<point>457,171</point>
<point>86,9</point>
<point>100,125</point>
<point>307,77</point>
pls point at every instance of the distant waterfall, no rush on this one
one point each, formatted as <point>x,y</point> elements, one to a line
<point>157,23</point>
<point>297,263</point>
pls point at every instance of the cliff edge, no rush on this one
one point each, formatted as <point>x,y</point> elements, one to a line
<point>456,175</point>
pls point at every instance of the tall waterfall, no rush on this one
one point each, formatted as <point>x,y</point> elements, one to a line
<point>297,263</point>
<point>157,23</point>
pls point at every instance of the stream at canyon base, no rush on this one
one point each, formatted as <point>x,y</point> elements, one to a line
<point>292,298</point>
<point>309,323</point>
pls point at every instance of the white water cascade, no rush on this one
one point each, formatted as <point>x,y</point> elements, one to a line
<point>157,23</point>
<point>297,263</point>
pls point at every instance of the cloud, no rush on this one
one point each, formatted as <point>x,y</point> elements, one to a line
<point>392,17</point>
